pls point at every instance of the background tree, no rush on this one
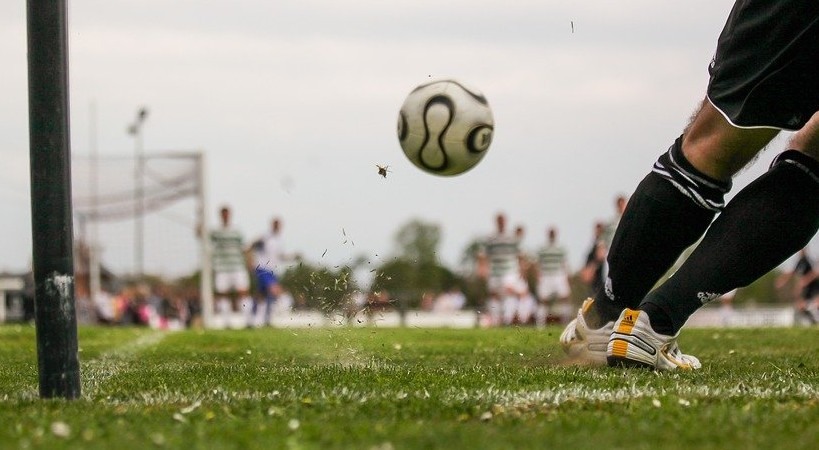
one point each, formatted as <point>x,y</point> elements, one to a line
<point>763,290</point>
<point>415,270</point>
<point>318,287</point>
<point>473,286</point>
<point>418,241</point>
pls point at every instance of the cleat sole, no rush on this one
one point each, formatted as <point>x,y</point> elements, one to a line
<point>620,361</point>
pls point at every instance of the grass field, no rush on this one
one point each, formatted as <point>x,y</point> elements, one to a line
<point>376,388</point>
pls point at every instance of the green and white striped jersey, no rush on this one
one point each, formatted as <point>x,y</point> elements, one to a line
<point>502,252</point>
<point>551,259</point>
<point>227,250</point>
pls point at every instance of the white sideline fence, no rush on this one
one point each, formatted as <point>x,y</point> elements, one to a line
<point>708,317</point>
<point>386,319</point>
<point>743,317</point>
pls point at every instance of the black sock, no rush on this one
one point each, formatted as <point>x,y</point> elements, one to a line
<point>660,318</point>
<point>669,211</point>
<point>771,219</point>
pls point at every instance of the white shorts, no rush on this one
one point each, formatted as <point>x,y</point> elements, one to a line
<point>553,285</point>
<point>226,282</point>
<point>498,285</point>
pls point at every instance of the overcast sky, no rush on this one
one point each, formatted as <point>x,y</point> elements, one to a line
<point>295,102</point>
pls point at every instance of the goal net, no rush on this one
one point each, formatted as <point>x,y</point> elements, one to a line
<point>141,216</point>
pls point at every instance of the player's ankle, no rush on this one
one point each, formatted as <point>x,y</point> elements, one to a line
<point>660,320</point>
<point>601,312</point>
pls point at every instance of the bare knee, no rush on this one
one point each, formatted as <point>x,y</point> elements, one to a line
<point>717,148</point>
<point>806,140</point>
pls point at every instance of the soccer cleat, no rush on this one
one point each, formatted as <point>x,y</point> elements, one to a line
<point>634,343</point>
<point>581,342</point>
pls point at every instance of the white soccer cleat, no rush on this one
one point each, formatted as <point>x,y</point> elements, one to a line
<point>634,343</point>
<point>586,345</point>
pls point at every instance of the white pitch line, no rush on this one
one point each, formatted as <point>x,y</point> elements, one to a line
<point>99,370</point>
<point>489,396</point>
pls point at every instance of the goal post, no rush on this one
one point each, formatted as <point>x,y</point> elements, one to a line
<point>205,282</point>
<point>51,219</point>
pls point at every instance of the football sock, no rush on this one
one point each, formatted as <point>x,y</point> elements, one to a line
<point>767,222</point>
<point>247,304</point>
<point>270,301</point>
<point>669,211</point>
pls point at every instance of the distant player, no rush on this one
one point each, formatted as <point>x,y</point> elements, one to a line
<point>230,277</point>
<point>526,306</point>
<point>807,285</point>
<point>268,256</point>
<point>519,301</point>
<point>553,276</point>
<point>610,227</point>
<point>620,203</point>
<point>498,265</point>
<point>592,273</point>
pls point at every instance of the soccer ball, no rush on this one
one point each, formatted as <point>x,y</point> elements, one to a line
<point>445,127</point>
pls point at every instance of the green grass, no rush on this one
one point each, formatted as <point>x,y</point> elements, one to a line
<point>374,388</point>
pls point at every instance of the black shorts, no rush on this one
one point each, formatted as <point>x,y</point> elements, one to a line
<point>765,72</point>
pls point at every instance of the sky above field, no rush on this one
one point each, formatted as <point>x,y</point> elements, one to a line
<point>295,102</point>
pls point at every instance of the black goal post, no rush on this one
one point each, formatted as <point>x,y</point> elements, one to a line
<point>51,216</point>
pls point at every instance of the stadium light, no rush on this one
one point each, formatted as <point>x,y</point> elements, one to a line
<point>135,129</point>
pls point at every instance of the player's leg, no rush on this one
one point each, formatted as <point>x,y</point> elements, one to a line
<point>718,149</point>
<point>754,86</point>
<point>803,310</point>
<point>244,301</point>
<point>260,292</point>
<point>806,140</point>
<point>545,294</point>
<point>222,287</point>
<point>272,294</point>
<point>672,207</point>
<point>813,307</point>
<point>264,280</point>
<point>542,310</point>
<point>564,291</point>
<point>494,304</point>
<point>767,222</point>
<point>509,308</point>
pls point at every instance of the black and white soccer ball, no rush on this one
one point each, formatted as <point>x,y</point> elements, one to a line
<point>444,127</point>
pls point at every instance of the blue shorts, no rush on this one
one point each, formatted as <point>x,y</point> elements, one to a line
<point>265,278</point>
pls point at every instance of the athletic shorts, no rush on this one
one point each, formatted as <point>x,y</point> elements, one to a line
<point>264,279</point>
<point>549,285</point>
<point>233,281</point>
<point>765,72</point>
<point>498,284</point>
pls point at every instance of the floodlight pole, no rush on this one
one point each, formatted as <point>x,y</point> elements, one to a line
<point>50,153</point>
<point>94,277</point>
<point>135,129</point>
